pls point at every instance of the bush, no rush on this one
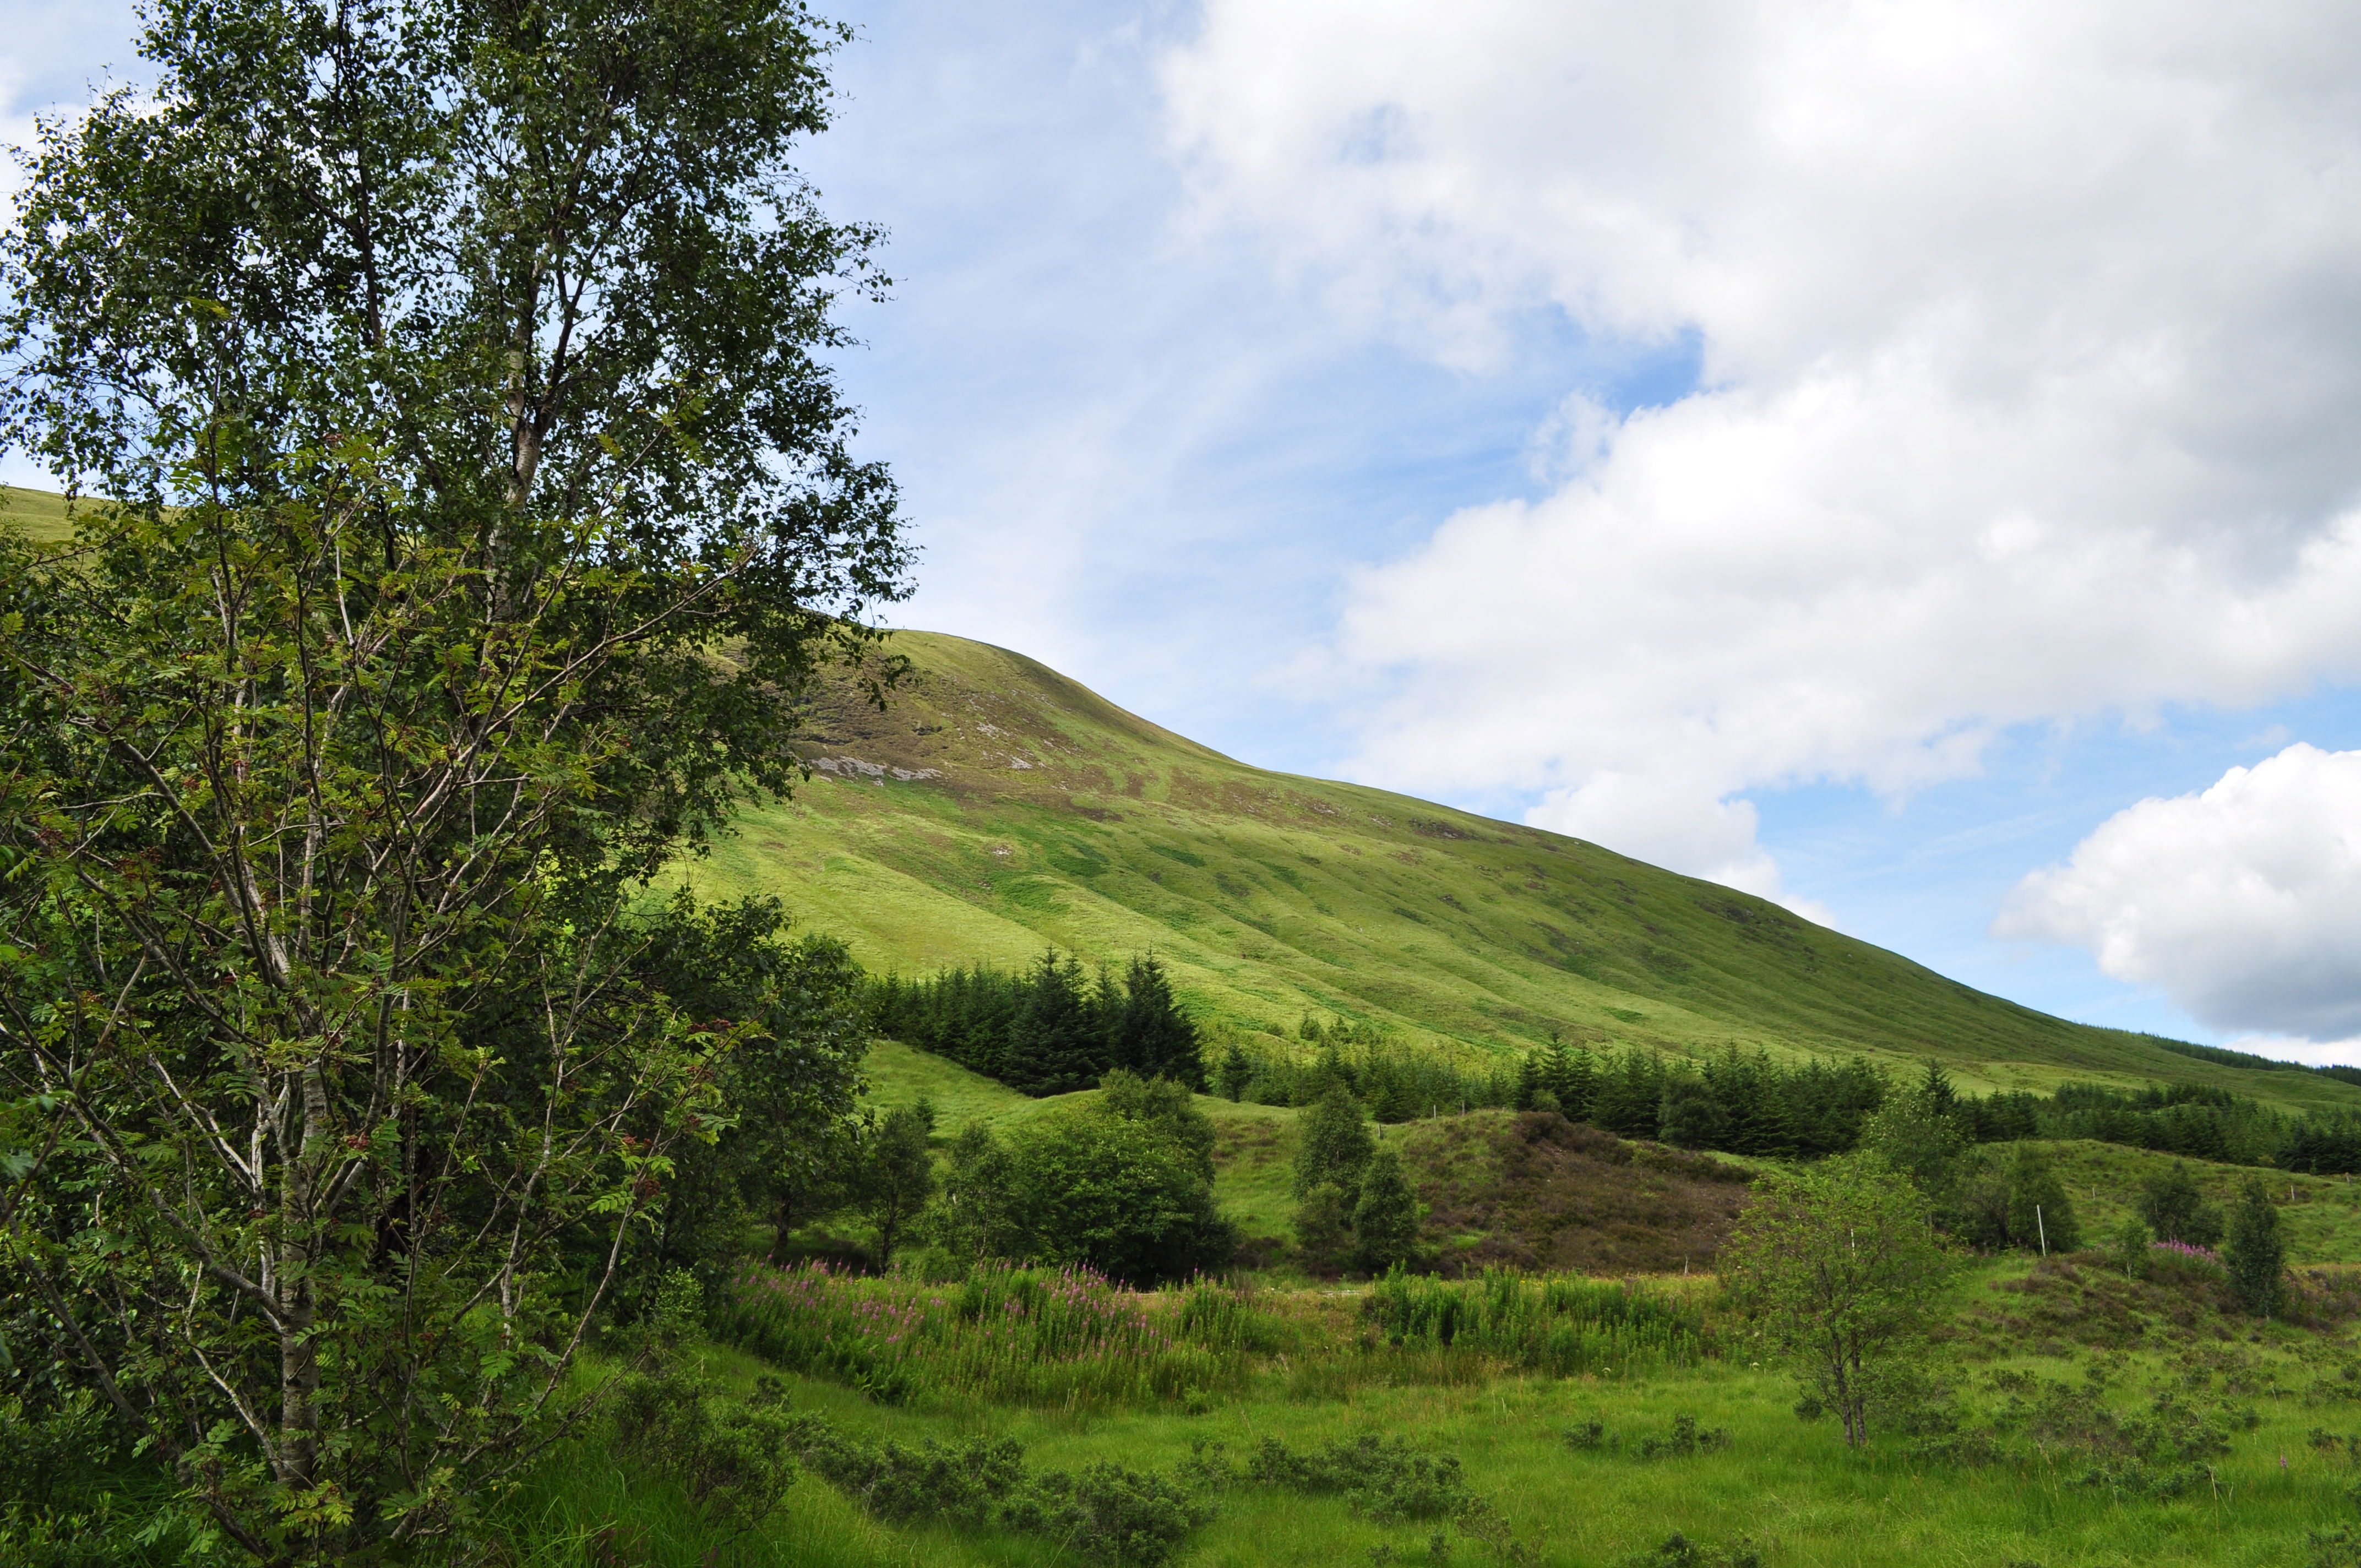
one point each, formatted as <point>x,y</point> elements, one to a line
<point>1686,1441</point>
<point>1109,1513</point>
<point>1382,1477</point>
<point>1119,1196</point>
<point>733,1459</point>
<point>1164,1104</point>
<point>958,1483</point>
<point>2254,1258</point>
<point>2175,1211</point>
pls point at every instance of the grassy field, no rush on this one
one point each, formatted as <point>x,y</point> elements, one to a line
<point>41,514</point>
<point>1787,1490</point>
<point>996,807</point>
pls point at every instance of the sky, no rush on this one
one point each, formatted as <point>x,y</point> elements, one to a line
<point>1897,459</point>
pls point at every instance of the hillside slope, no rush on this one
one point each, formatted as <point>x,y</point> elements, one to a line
<point>995,807</point>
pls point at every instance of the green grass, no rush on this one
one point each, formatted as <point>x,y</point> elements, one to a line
<point>1011,808</point>
<point>2321,1224</point>
<point>1790,1487</point>
<point>43,516</point>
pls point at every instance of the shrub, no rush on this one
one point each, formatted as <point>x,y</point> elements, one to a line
<point>734,1460</point>
<point>2255,1256</point>
<point>2172,1206</point>
<point>1109,1513</point>
<point>959,1483</point>
<point>1118,1196</point>
<point>1686,1441</point>
<point>1380,1477</point>
<point>1164,1104</point>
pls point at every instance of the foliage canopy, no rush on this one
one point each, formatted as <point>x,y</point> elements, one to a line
<point>475,505</point>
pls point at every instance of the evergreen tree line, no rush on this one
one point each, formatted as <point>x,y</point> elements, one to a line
<point>1394,1081</point>
<point>2180,1119</point>
<point>1048,1029</point>
<point>1752,1104</point>
<point>1733,1102</point>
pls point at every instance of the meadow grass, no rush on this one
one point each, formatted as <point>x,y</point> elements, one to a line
<point>42,515</point>
<point>1789,1487</point>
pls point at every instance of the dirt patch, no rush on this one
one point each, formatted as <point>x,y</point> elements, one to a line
<point>1538,1192</point>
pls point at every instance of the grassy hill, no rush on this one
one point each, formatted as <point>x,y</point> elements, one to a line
<point>995,807</point>
<point>43,515</point>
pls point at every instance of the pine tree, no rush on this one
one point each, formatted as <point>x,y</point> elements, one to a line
<point>1050,1049</point>
<point>2255,1255</point>
<point>1630,1095</point>
<point>1580,1096</point>
<point>1237,1072</point>
<point>1689,1116</point>
<point>1153,1037</point>
<point>1384,1222</point>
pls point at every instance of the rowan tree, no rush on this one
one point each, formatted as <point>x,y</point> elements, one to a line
<point>1839,1266</point>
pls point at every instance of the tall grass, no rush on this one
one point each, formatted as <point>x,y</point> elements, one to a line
<point>1008,1335</point>
<point>1561,1327</point>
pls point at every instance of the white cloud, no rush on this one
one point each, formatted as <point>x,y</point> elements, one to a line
<point>2029,333</point>
<point>2242,904</point>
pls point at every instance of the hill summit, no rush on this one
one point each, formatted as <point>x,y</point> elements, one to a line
<point>994,807</point>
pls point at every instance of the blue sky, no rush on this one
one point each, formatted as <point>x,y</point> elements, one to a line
<point>1860,456</point>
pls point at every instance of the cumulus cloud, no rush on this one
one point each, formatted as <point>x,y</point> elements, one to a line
<point>2242,904</point>
<point>2029,332</point>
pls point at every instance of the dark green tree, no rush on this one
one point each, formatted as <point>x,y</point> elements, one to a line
<point>1153,1037</point>
<point>1120,1195</point>
<point>1055,1044</point>
<point>476,488</point>
<point>975,1212</point>
<point>1238,1072</point>
<point>897,1175</point>
<point>1629,1102</point>
<point>2254,1255</point>
<point>2040,1214</point>
<point>1691,1115</point>
<point>1163,1104</point>
<point>2174,1210</point>
<point>1384,1222</point>
<point>1335,1145</point>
